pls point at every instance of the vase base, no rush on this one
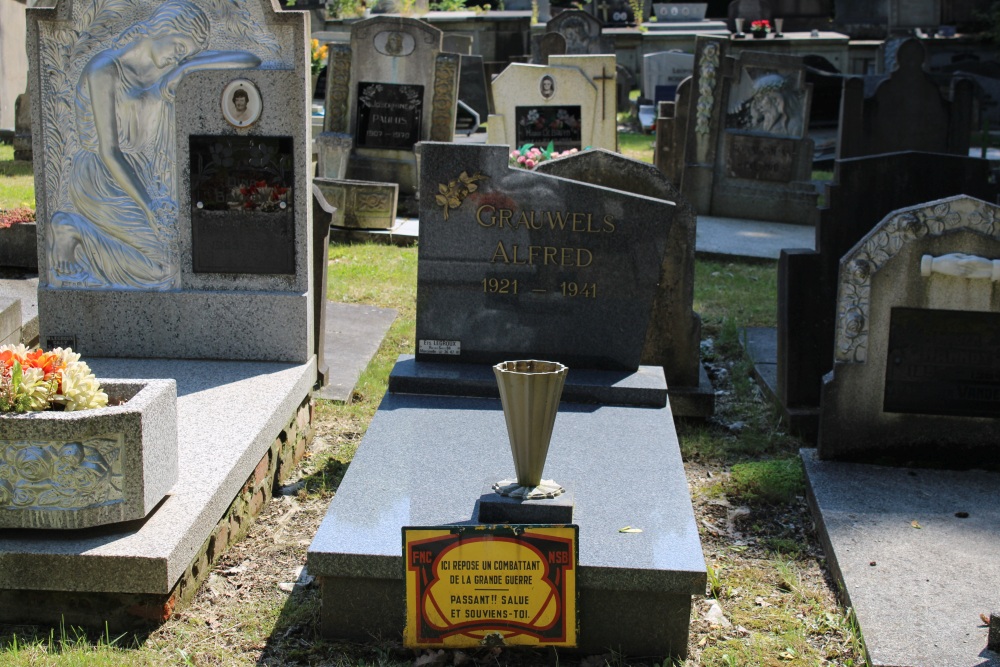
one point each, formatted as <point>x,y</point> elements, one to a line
<point>511,489</point>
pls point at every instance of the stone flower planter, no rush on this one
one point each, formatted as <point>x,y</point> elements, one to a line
<point>91,467</point>
<point>19,246</point>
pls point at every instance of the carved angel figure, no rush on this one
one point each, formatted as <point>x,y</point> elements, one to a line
<point>122,231</point>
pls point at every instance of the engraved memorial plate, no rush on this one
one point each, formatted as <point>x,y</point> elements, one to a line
<point>541,124</point>
<point>760,158</point>
<point>242,218</point>
<point>389,115</point>
<point>943,362</point>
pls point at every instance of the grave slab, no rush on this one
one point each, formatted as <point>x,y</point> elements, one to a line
<point>917,592</point>
<point>353,335</point>
<point>634,588</point>
<point>215,458</point>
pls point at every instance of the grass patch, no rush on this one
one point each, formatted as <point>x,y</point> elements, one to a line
<point>742,292</point>
<point>772,482</point>
<point>636,145</point>
<point>17,181</point>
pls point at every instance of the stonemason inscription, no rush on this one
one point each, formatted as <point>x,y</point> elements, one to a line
<point>513,262</point>
<point>943,362</point>
<point>761,158</point>
<point>389,115</point>
<point>541,124</point>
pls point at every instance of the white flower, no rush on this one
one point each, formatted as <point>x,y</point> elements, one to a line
<point>80,389</point>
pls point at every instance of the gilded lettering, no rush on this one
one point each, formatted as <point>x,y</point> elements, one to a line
<point>492,219</point>
<point>501,253</point>
<point>609,223</point>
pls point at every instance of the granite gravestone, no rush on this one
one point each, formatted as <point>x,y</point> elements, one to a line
<point>906,111</point>
<point>662,72</point>
<point>674,334</point>
<point>916,375</point>
<point>519,263</point>
<point>537,104</point>
<point>548,266</point>
<point>747,151</point>
<point>583,33</point>
<point>865,190</point>
<point>391,87</point>
<point>125,245</point>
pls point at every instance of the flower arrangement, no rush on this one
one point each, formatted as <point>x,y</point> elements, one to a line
<point>11,217</point>
<point>318,60</point>
<point>258,196</point>
<point>529,156</point>
<point>33,380</point>
<point>760,27</point>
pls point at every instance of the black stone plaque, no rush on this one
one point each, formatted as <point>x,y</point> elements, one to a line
<point>242,205</point>
<point>760,158</point>
<point>389,115</point>
<point>943,362</point>
<point>539,125</point>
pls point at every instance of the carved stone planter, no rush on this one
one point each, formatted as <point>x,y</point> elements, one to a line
<point>18,246</point>
<point>91,467</point>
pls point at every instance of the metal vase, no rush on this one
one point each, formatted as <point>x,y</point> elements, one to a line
<point>530,392</point>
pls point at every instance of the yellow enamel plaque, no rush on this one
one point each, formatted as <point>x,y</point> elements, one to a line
<point>470,585</point>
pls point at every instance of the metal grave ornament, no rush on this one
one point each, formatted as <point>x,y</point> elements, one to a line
<point>529,393</point>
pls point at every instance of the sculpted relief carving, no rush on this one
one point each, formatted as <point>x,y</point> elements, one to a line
<point>767,102</point>
<point>61,475</point>
<point>108,90</point>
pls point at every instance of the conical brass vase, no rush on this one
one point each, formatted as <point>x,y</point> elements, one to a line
<point>530,392</point>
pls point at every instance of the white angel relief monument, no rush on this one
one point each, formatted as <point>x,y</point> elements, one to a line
<point>111,79</point>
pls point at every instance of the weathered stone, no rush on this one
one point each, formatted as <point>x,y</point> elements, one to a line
<point>915,374</point>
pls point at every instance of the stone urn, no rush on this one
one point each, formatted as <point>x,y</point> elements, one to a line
<point>90,467</point>
<point>529,392</point>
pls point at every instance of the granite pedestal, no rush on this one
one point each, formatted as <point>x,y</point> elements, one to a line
<point>424,462</point>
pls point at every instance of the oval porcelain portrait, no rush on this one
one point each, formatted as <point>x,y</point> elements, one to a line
<point>241,103</point>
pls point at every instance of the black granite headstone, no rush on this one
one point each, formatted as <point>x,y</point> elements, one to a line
<point>242,205</point>
<point>389,115</point>
<point>517,263</point>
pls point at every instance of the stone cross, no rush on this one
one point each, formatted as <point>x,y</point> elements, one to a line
<point>605,77</point>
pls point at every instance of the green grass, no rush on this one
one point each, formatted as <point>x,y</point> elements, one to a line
<point>773,481</point>
<point>17,181</point>
<point>636,145</point>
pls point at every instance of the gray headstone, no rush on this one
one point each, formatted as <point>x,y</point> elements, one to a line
<point>916,376</point>
<point>129,249</point>
<point>391,88</point>
<point>518,263</point>
<point>582,31</point>
<point>747,152</point>
<point>452,42</point>
<point>552,44</point>
<point>662,72</point>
